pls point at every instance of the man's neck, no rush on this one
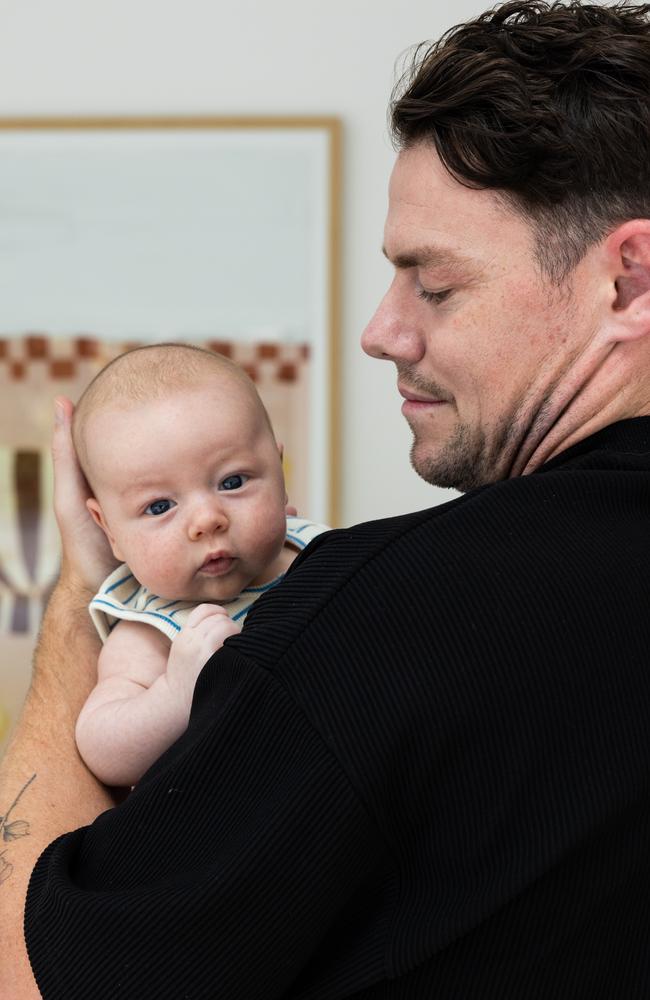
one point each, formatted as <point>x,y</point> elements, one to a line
<point>597,391</point>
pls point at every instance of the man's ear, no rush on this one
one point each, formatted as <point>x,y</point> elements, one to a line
<point>97,515</point>
<point>628,251</point>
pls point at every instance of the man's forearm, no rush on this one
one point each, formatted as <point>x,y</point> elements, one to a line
<point>45,789</point>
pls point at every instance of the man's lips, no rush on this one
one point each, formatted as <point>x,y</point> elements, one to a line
<point>416,401</point>
<point>216,564</point>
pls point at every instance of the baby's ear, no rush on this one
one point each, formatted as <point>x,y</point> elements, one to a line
<point>291,511</point>
<point>97,515</point>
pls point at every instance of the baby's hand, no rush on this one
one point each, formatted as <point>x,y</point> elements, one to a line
<point>206,629</point>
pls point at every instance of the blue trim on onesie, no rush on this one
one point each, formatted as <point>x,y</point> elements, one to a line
<point>170,605</point>
<point>265,586</point>
<point>119,583</point>
<point>242,612</point>
<point>154,614</point>
<point>131,596</point>
<point>300,542</point>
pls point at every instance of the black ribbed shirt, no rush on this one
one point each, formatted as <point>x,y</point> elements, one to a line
<point>422,770</point>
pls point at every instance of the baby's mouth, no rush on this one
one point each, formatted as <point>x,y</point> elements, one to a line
<point>217,564</point>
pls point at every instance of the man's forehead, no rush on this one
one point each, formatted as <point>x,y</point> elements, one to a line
<point>420,164</point>
<point>427,222</point>
<point>436,222</point>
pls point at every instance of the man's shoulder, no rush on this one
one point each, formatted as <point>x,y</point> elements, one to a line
<point>566,495</point>
<point>336,562</point>
<point>513,541</point>
<point>521,503</point>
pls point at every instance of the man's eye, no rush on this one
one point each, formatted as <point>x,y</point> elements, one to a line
<point>160,507</point>
<point>436,297</point>
<point>232,482</point>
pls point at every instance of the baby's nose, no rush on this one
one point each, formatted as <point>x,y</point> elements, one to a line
<point>207,519</point>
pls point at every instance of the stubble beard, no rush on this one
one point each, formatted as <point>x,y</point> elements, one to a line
<point>455,465</point>
<point>463,463</point>
<point>467,460</point>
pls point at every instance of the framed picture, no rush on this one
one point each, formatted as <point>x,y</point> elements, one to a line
<point>221,232</point>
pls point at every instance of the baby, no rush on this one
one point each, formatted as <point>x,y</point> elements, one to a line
<point>187,483</point>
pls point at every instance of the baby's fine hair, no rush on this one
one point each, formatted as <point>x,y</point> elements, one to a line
<point>151,372</point>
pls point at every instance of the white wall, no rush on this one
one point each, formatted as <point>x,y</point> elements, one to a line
<point>257,57</point>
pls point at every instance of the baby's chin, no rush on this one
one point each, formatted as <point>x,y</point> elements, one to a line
<point>202,591</point>
<point>209,596</point>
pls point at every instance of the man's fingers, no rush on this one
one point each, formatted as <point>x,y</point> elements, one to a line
<point>69,481</point>
<point>86,553</point>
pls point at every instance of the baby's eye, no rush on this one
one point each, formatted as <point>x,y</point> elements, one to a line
<point>160,507</point>
<point>232,482</point>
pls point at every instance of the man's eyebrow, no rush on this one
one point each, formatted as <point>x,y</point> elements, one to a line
<point>429,256</point>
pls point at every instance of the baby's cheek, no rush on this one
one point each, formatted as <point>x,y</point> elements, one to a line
<point>270,537</point>
<point>159,569</point>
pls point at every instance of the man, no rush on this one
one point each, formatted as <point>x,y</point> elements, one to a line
<point>422,769</point>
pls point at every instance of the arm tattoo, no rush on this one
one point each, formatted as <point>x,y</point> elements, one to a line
<point>12,831</point>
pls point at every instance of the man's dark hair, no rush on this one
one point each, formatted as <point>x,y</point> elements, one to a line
<point>548,103</point>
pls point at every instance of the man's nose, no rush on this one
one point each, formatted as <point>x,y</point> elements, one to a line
<point>394,333</point>
<point>208,517</point>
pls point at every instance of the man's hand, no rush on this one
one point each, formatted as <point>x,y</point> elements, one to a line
<point>44,787</point>
<point>87,558</point>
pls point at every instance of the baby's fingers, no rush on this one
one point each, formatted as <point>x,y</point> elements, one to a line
<point>217,630</point>
<point>203,611</point>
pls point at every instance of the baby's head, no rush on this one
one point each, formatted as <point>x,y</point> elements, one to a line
<point>185,474</point>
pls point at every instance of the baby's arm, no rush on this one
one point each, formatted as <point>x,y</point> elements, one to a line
<point>142,700</point>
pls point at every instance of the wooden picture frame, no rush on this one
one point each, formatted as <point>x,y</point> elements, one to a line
<point>207,229</point>
<point>220,231</point>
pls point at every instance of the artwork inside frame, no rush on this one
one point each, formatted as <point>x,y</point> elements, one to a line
<point>115,232</point>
